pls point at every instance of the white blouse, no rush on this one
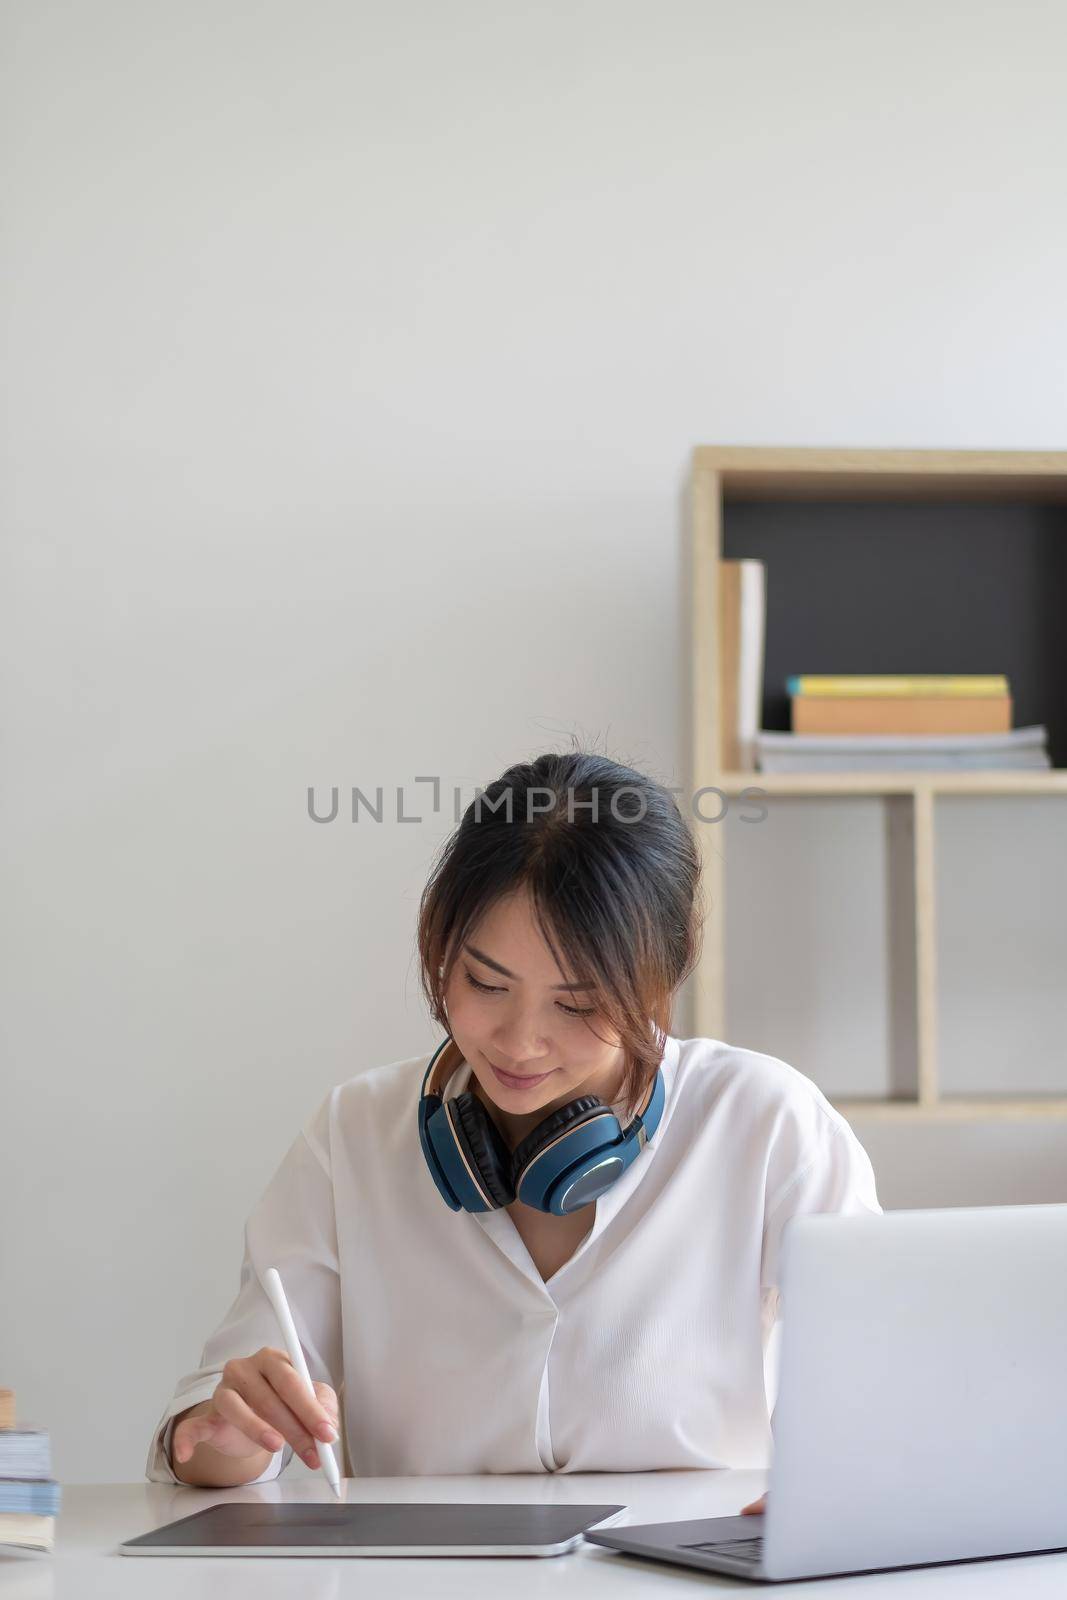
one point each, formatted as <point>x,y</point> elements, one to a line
<point>650,1348</point>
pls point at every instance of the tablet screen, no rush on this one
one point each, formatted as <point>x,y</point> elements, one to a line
<point>442,1527</point>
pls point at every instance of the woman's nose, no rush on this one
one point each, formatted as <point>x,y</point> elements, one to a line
<point>520,1040</point>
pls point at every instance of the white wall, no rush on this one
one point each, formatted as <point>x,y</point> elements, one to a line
<point>354,355</point>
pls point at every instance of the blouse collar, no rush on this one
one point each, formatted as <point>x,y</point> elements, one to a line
<point>499,1225</point>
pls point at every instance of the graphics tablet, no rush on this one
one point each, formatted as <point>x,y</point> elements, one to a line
<point>325,1528</point>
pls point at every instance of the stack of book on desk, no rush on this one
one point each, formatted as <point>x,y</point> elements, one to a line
<point>29,1498</point>
<point>886,723</point>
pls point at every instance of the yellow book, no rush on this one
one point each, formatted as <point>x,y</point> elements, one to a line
<point>884,684</point>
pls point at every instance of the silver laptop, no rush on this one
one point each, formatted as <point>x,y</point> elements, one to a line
<point>921,1414</point>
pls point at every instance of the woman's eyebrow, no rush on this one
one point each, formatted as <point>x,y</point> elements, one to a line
<point>487,961</point>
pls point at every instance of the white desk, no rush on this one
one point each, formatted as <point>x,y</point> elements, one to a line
<point>94,1518</point>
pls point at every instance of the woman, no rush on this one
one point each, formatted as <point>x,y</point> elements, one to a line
<point>552,1243</point>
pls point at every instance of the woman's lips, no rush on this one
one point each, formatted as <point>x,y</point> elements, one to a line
<point>510,1081</point>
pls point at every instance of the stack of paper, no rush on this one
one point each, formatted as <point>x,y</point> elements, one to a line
<point>1022,749</point>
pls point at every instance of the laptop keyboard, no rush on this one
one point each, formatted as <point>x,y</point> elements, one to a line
<point>748,1550</point>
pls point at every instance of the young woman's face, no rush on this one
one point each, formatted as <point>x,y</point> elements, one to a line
<point>525,1022</point>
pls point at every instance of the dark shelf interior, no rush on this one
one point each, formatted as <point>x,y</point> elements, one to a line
<point>913,586</point>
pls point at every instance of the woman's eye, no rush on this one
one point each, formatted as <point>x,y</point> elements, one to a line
<point>488,988</point>
<point>485,988</point>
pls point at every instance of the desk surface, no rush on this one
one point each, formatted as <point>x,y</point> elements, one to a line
<point>94,1518</point>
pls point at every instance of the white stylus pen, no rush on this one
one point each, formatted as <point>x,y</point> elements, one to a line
<point>273,1285</point>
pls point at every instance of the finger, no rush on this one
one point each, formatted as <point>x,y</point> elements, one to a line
<point>262,1431</point>
<point>320,1421</point>
<point>187,1435</point>
<point>328,1401</point>
<point>287,1382</point>
<point>203,1429</point>
<point>251,1399</point>
<point>268,1404</point>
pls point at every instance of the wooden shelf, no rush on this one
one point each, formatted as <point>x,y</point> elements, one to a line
<point>748,472</point>
<point>953,514</point>
<point>952,1109</point>
<point>852,783</point>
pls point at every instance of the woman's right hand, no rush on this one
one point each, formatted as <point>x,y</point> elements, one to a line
<point>260,1402</point>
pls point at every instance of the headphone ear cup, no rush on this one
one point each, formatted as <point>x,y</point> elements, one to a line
<point>485,1147</point>
<point>557,1122</point>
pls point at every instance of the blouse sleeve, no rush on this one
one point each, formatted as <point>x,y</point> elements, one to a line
<point>292,1227</point>
<point>832,1172</point>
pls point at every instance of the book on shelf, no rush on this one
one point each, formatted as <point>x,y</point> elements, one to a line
<point>939,686</point>
<point>822,713</point>
<point>742,621</point>
<point>883,722</point>
<point>29,1496</point>
<point>1021,749</point>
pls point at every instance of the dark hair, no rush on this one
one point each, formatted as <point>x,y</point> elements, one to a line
<point>618,886</point>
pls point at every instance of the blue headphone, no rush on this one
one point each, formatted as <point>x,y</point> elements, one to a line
<point>571,1157</point>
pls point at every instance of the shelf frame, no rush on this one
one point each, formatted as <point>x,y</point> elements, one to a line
<point>721,472</point>
<point>955,1108</point>
<point>851,783</point>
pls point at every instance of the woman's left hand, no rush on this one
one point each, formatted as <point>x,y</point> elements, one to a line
<point>756,1506</point>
